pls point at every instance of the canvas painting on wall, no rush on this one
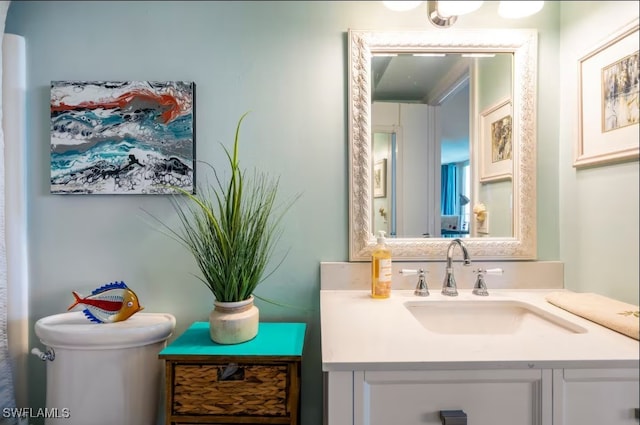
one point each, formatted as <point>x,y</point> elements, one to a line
<point>129,137</point>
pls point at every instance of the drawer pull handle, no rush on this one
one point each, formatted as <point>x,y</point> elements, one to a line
<point>453,417</point>
<point>231,372</point>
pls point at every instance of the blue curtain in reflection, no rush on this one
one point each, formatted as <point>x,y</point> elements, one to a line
<point>448,189</point>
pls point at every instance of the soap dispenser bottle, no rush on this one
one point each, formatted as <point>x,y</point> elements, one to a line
<point>381,268</point>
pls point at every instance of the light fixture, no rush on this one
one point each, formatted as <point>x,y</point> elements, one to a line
<point>519,9</point>
<point>436,18</point>
<point>443,14</point>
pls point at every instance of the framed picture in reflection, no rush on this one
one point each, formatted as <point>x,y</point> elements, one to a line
<point>380,178</point>
<point>496,142</point>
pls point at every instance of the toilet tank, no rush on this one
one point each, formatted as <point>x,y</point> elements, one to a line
<point>104,373</point>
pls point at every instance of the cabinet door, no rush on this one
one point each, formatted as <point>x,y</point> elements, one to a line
<point>596,396</point>
<point>496,397</point>
<point>338,397</point>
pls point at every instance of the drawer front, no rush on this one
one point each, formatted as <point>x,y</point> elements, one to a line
<point>417,397</point>
<point>234,390</point>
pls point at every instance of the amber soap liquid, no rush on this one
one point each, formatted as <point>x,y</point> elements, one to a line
<point>381,274</point>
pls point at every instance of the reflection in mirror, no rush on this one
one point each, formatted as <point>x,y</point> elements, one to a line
<point>425,168</point>
<point>406,90</point>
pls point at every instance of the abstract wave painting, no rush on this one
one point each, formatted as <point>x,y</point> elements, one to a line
<point>133,137</point>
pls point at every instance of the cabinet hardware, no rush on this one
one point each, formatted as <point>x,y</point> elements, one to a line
<point>453,417</point>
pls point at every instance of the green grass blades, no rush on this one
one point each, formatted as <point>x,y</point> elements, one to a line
<point>231,228</point>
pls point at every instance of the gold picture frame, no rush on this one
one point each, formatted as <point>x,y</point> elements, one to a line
<point>608,101</point>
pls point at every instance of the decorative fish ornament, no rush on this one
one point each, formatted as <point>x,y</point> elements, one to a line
<point>110,303</point>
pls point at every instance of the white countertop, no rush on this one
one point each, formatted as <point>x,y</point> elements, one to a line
<point>361,333</point>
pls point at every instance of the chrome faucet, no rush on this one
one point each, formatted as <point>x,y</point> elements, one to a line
<point>421,287</point>
<point>449,285</point>
<point>480,288</point>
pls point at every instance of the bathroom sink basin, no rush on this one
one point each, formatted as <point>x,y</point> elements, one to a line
<point>485,317</point>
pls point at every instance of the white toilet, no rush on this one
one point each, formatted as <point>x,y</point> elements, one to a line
<point>103,374</point>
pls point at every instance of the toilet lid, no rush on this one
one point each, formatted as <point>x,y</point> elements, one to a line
<point>73,330</point>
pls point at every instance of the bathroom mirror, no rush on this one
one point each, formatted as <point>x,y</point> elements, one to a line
<point>421,105</point>
<point>520,46</point>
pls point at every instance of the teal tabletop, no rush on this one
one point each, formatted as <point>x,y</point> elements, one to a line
<point>273,339</point>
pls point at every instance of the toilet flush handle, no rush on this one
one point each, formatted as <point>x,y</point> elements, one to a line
<point>48,355</point>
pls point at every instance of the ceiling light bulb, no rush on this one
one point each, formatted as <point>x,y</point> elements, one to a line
<point>457,8</point>
<point>401,6</point>
<point>519,9</point>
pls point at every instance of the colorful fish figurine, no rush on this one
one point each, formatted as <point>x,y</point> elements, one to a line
<point>110,303</point>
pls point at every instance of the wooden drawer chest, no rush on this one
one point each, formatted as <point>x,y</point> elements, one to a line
<point>256,382</point>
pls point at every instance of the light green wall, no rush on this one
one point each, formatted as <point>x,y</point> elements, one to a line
<point>495,81</point>
<point>287,63</point>
<point>598,206</point>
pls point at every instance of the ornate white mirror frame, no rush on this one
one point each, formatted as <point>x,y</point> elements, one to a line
<point>523,44</point>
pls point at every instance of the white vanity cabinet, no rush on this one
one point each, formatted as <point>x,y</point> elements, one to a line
<point>383,367</point>
<point>596,396</point>
<point>488,397</point>
<point>496,397</point>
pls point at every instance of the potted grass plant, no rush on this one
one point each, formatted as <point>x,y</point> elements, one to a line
<point>231,227</point>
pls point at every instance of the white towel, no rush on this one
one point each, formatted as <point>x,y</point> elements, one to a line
<point>613,314</point>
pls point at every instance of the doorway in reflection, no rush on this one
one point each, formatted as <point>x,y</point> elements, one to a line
<point>425,150</point>
<point>455,192</point>
<point>455,201</point>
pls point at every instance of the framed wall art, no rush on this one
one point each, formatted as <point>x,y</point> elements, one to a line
<point>122,137</point>
<point>380,178</point>
<point>496,142</point>
<point>608,101</point>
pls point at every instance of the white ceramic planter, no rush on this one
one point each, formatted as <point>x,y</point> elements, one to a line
<point>233,322</point>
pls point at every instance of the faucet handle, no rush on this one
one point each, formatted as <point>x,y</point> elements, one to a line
<point>421,287</point>
<point>480,287</point>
